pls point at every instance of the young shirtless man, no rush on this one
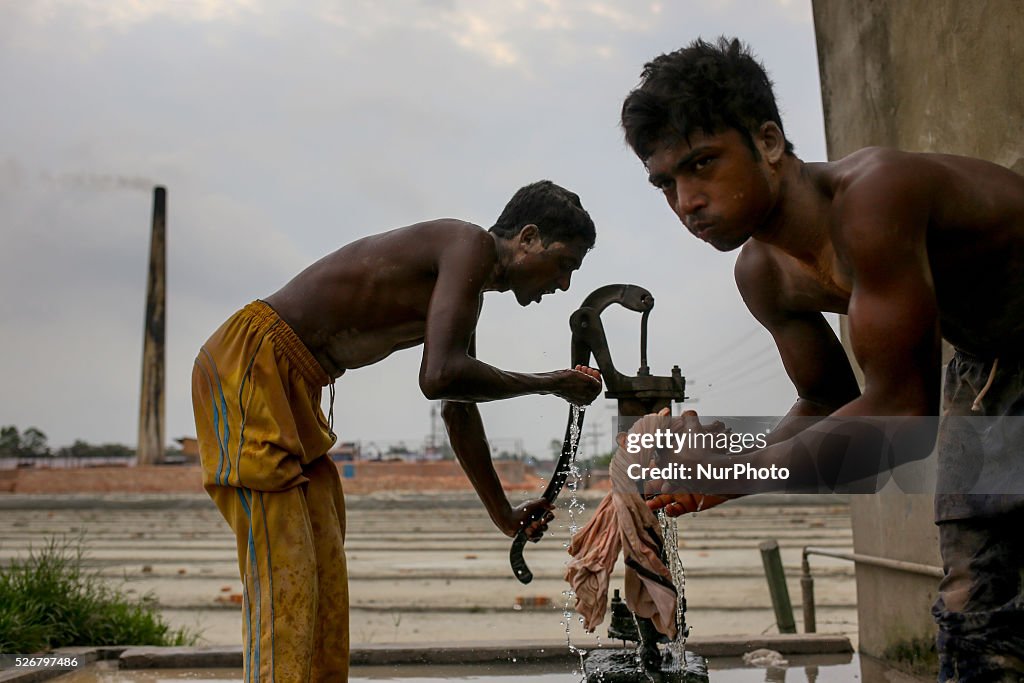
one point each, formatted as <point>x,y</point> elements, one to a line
<point>263,439</point>
<point>914,248</point>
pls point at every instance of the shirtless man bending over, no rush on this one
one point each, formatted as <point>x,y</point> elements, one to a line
<point>914,248</point>
<point>263,439</point>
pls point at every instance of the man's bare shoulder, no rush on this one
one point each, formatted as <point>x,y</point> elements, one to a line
<point>882,198</point>
<point>441,240</point>
<point>878,167</point>
<point>881,173</point>
<point>440,230</point>
<point>759,274</point>
<point>755,263</point>
<point>460,242</point>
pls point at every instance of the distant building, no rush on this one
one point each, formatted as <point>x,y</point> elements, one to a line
<point>346,451</point>
<point>189,451</point>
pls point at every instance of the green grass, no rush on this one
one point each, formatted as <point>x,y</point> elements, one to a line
<point>51,600</point>
<point>916,655</point>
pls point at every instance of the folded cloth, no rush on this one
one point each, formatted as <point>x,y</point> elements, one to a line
<point>623,522</point>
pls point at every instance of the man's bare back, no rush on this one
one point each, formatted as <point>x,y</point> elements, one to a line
<point>365,301</point>
<point>423,284</point>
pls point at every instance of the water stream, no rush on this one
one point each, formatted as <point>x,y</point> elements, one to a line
<point>574,510</point>
<point>670,535</point>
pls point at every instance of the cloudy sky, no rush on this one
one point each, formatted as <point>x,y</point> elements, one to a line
<point>282,133</point>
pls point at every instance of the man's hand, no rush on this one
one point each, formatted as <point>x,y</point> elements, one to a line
<point>676,504</point>
<point>532,517</point>
<point>579,386</point>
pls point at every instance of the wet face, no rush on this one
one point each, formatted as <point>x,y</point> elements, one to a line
<point>538,270</point>
<point>716,186</point>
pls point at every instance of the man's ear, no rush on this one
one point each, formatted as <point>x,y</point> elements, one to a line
<point>529,235</point>
<point>770,142</point>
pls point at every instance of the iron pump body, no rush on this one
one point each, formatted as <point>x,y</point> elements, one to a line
<point>643,393</point>
<point>637,396</point>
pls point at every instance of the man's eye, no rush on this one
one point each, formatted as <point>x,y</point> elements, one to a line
<point>701,164</point>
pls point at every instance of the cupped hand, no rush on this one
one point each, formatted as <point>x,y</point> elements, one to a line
<point>676,504</point>
<point>580,386</point>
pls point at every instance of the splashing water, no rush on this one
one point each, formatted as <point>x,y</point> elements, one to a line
<point>670,536</point>
<point>574,509</point>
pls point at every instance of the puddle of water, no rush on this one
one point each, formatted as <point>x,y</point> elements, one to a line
<point>801,669</point>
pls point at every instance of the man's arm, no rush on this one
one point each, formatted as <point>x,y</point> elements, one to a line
<point>448,371</point>
<point>813,357</point>
<point>893,319</point>
<point>466,433</point>
<point>893,314</point>
<point>451,371</point>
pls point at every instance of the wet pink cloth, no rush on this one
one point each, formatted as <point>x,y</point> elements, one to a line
<point>623,522</point>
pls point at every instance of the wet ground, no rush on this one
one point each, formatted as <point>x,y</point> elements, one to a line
<point>799,669</point>
<point>431,567</point>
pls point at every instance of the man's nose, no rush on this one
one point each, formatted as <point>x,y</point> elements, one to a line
<point>563,284</point>
<point>689,201</point>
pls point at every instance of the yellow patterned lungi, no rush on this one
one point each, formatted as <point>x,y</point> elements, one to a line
<point>263,441</point>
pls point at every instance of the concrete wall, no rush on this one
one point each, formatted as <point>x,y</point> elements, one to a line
<point>920,75</point>
<point>923,75</point>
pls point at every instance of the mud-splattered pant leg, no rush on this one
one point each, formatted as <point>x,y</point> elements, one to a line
<point>980,608</point>
<point>292,563</point>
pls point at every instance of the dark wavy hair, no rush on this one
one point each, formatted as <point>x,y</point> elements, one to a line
<point>557,213</point>
<point>706,87</point>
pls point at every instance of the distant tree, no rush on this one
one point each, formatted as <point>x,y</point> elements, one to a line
<point>398,449</point>
<point>83,449</point>
<point>602,461</point>
<point>29,444</point>
<point>33,443</point>
<point>10,442</point>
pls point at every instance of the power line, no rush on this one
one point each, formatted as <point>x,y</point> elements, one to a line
<point>717,354</point>
<point>747,365</point>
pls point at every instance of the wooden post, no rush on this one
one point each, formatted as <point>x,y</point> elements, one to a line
<point>776,576</point>
<point>807,596</point>
<point>151,403</point>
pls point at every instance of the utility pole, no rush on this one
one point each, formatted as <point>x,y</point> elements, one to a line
<point>595,434</point>
<point>433,426</point>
